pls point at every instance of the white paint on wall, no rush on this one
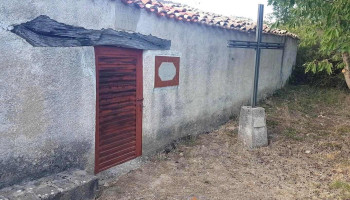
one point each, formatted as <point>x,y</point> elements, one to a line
<point>167,71</point>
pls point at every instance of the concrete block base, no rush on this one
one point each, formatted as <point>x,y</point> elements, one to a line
<point>252,127</point>
<point>77,185</point>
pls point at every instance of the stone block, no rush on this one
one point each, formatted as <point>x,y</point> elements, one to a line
<point>252,127</point>
<point>73,184</point>
<point>3,198</point>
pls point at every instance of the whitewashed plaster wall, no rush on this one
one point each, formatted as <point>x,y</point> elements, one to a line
<point>48,97</point>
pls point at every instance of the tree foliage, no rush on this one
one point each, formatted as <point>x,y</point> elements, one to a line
<point>324,24</point>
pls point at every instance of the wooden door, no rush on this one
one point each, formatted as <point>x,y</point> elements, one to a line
<point>118,106</point>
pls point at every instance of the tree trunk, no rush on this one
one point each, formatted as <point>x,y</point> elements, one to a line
<point>346,59</point>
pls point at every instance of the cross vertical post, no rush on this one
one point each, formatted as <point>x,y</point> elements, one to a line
<point>258,45</point>
<point>259,28</point>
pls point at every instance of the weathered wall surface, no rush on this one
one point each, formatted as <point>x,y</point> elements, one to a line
<point>214,80</point>
<point>47,95</point>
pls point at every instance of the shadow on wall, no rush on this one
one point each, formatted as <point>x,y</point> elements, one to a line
<point>16,169</point>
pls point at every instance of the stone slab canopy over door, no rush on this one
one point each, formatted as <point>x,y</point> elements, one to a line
<point>118,106</point>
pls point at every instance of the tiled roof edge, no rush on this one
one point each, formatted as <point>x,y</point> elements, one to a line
<point>192,15</point>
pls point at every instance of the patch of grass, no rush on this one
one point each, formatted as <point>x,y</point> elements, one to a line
<point>309,112</point>
<point>309,100</point>
<point>343,186</point>
<point>231,129</point>
<point>235,132</point>
<point>292,134</point>
<point>340,185</point>
<point>189,140</point>
<point>271,123</point>
<point>343,130</point>
<point>232,133</point>
<point>332,145</point>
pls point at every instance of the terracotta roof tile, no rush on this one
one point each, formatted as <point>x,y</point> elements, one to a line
<point>188,14</point>
<point>146,1</point>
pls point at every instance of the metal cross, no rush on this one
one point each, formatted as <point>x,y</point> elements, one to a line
<point>258,45</point>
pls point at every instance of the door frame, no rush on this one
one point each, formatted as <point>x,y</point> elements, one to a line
<point>108,50</point>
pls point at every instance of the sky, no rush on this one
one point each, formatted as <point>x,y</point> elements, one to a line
<point>240,8</point>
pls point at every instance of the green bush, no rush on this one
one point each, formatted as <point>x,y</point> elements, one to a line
<point>321,79</point>
<point>307,53</point>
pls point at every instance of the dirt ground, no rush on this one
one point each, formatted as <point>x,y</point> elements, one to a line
<point>307,158</point>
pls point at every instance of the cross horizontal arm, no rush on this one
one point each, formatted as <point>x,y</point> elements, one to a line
<point>242,44</point>
<point>253,45</point>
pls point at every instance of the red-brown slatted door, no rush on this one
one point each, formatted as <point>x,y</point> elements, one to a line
<point>118,106</point>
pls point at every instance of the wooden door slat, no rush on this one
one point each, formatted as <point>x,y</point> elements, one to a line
<point>126,117</point>
<point>117,95</point>
<point>120,122</point>
<point>122,99</point>
<point>118,137</point>
<point>117,71</point>
<point>121,60</point>
<point>115,114</point>
<point>117,148</point>
<point>116,106</point>
<point>106,67</point>
<point>111,132</point>
<point>114,133</point>
<point>117,143</point>
<point>118,84</point>
<point>117,154</point>
<point>108,90</point>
